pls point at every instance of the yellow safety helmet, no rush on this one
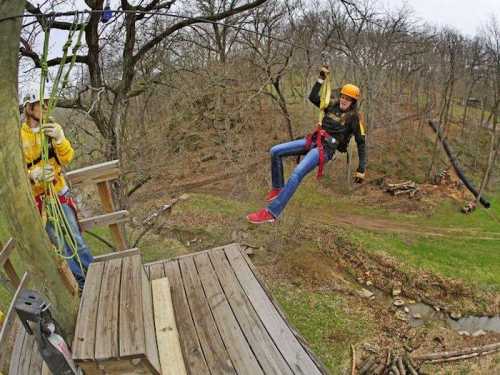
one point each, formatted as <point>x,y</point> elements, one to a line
<point>351,91</point>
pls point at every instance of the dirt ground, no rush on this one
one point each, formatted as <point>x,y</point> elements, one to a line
<point>339,266</point>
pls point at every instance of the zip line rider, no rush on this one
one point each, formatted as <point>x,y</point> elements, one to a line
<point>60,154</point>
<point>340,122</point>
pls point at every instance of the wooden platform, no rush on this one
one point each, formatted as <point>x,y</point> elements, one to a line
<point>115,331</point>
<point>227,321</point>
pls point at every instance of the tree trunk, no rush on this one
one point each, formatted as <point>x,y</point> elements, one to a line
<point>16,201</point>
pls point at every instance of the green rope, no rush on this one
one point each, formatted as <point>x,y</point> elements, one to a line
<point>53,208</point>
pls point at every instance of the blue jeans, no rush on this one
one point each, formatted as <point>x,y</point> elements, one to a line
<point>307,164</point>
<point>83,251</point>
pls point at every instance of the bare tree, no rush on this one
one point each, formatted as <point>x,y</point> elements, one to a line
<point>112,66</point>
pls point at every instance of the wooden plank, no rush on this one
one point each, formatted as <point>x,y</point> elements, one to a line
<point>191,348</point>
<point>237,346</point>
<point>46,371</point>
<point>133,366</point>
<point>149,324</point>
<point>36,361</point>
<point>169,346</point>
<point>156,271</point>
<point>11,273</point>
<point>7,347</point>
<point>7,251</point>
<point>322,368</point>
<point>278,329</point>
<point>95,173</point>
<point>85,331</point>
<point>15,359</point>
<point>104,220</point>
<point>104,191</point>
<point>89,368</point>
<point>10,316</point>
<point>26,354</point>
<point>131,324</point>
<point>121,254</point>
<point>106,346</point>
<point>215,352</point>
<point>5,262</point>
<point>302,341</point>
<point>67,276</point>
<point>268,355</point>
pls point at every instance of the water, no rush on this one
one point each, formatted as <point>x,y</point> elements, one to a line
<point>470,324</point>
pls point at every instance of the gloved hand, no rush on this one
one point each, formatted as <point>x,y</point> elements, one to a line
<point>324,71</point>
<point>359,177</point>
<point>39,174</point>
<point>53,131</point>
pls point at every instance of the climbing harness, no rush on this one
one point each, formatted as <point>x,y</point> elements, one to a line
<point>318,136</point>
<point>50,203</point>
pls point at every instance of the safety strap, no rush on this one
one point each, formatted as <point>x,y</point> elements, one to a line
<point>318,135</point>
<point>324,95</point>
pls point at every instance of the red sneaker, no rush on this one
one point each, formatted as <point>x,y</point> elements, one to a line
<point>273,194</point>
<point>261,216</point>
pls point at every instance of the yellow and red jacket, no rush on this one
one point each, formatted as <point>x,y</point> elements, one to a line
<point>60,156</point>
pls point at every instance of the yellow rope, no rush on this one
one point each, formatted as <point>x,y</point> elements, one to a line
<point>324,94</point>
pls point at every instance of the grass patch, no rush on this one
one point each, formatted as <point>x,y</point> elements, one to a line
<point>323,321</point>
<point>474,261</point>
<point>211,204</point>
<point>448,215</point>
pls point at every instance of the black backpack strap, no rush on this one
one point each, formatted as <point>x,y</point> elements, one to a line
<point>52,154</point>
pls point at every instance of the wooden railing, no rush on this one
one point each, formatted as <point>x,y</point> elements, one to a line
<point>101,175</point>
<point>6,264</point>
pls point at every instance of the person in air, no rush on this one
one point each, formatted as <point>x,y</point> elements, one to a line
<point>340,122</point>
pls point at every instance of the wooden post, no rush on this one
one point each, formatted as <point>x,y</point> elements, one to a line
<point>7,264</point>
<point>107,203</point>
<point>17,207</point>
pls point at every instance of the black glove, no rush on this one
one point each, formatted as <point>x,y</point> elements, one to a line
<point>323,72</point>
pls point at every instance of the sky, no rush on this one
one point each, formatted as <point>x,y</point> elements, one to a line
<point>464,15</point>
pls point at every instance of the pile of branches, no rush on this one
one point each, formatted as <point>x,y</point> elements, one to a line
<point>407,187</point>
<point>391,365</point>
<point>405,364</point>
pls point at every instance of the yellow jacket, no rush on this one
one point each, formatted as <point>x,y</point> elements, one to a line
<point>32,149</point>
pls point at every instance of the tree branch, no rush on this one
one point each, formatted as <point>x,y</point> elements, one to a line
<point>187,22</point>
<point>28,52</point>
<point>55,24</point>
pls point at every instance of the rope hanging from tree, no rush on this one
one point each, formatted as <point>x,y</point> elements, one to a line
<point>51,206</point>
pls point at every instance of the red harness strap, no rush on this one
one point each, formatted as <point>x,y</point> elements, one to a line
<point>320,136</point>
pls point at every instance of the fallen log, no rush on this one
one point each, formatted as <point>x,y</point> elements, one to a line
<point>366,366</point>
<point>456,165</point>
<point>410,366</point>
<point>466,356</point>
<point>490,348</point>
<point>401,367</point>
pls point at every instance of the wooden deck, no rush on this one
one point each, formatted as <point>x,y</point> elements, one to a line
<point>227,320</point>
